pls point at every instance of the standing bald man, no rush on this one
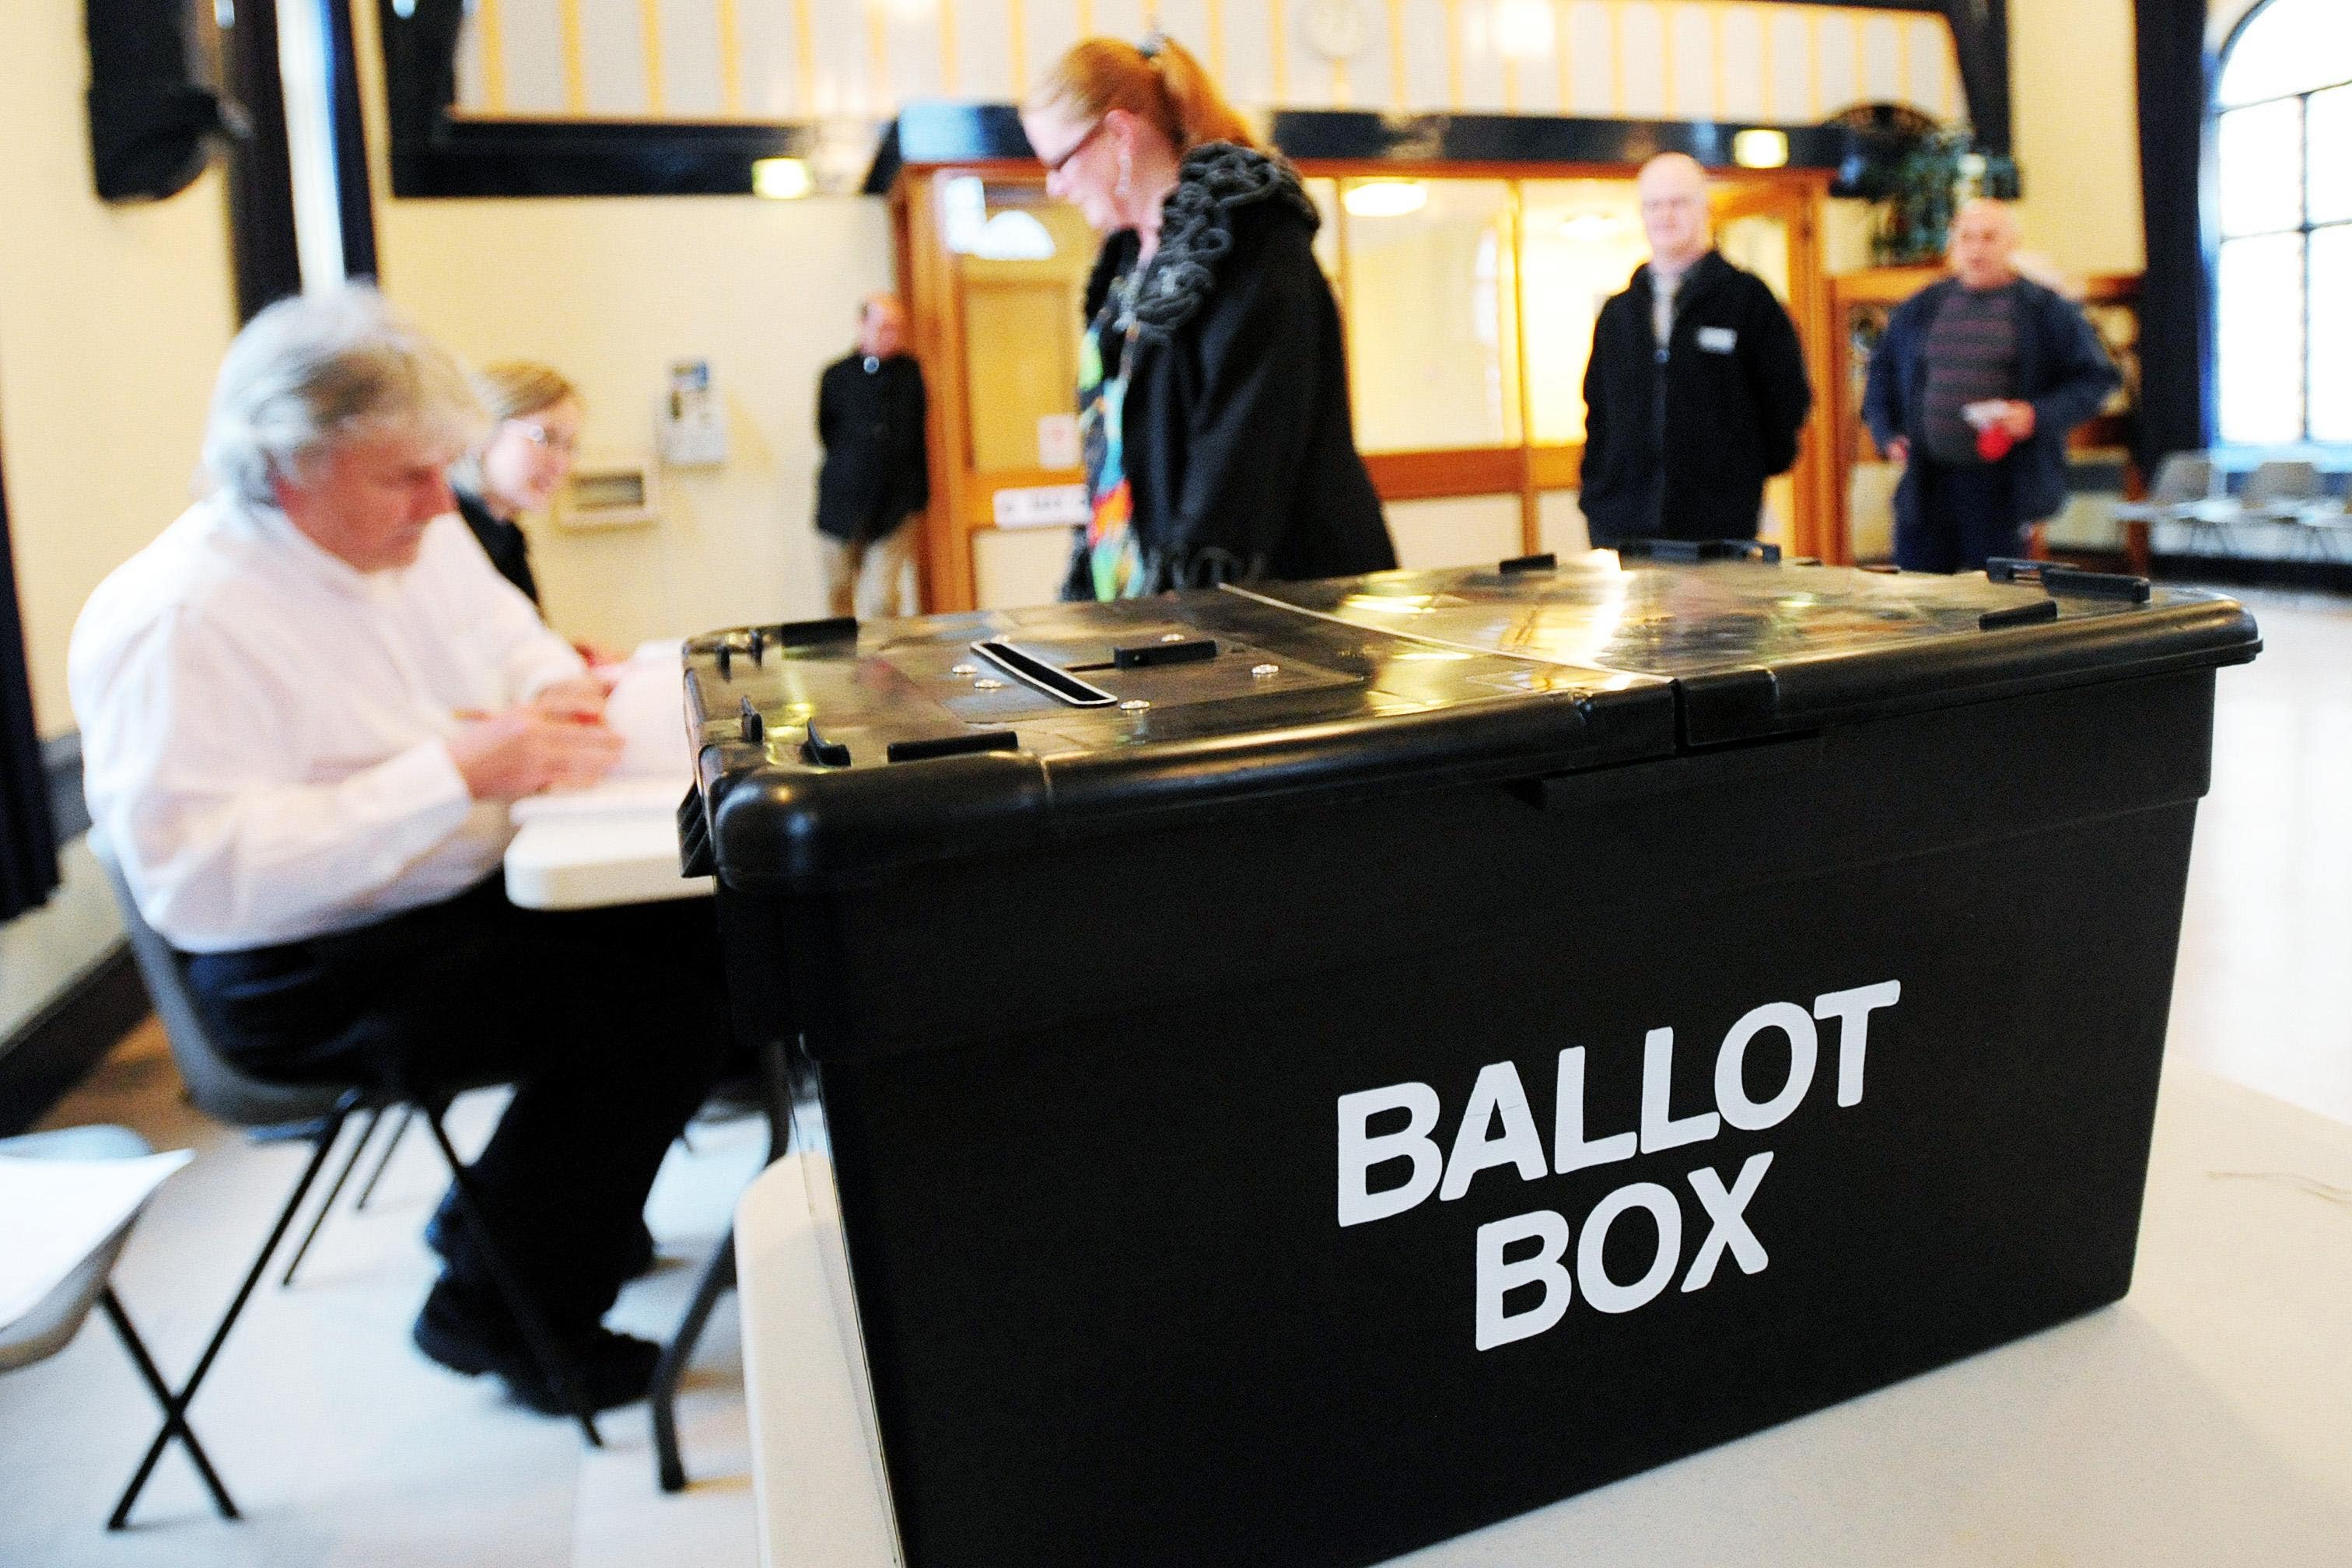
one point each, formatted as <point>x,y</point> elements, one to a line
<point>1696,387</point>
<point>875,479</point>
<point>1973,389</point>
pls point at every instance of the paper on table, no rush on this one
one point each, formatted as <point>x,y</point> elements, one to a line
<point>649,707</point>
<point>55,1213</point>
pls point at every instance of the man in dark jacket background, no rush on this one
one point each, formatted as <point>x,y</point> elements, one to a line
<point>1973,389</point>
<point>875,479</point>
<point>1696,387</point>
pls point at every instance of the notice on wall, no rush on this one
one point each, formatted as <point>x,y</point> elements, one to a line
<point>1041,506</point>
<point>1057,440</point>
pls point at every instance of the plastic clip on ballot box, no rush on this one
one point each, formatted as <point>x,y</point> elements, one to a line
<point>1466,1037</point>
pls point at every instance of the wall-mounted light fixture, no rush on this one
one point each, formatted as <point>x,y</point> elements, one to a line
<point>1760,147</point>
<point>1385,198</point>
<point>780,179</point>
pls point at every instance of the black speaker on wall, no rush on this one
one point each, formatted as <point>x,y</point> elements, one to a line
<point>151,117</point>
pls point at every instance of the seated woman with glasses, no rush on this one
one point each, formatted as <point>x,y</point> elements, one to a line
<point>523,464</point>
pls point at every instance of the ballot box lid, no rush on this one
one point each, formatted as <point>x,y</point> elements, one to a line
<point>832,751</point>
<point>1756,647</point>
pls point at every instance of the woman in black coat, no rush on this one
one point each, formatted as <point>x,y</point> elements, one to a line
<point>1214,415</point>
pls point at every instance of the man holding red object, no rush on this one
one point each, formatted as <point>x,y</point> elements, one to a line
<point>1974,388</point>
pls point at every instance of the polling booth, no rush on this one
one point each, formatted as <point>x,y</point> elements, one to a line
<point>1292,1073</point>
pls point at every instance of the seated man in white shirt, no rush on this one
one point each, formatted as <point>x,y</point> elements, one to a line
<point>304,710</point>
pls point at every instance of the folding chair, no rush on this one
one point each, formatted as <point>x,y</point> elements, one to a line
<point>52,1325</point>
<point>313,1113</point>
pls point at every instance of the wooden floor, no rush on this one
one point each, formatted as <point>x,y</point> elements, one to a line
<point>348,1450</point>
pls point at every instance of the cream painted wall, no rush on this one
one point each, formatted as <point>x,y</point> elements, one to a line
<point>2075,107</point>
<point>112,320</point>
<point>612,291</point>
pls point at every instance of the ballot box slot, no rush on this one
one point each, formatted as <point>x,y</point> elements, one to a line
<point>1546,561</point>
<point>1048,678</point>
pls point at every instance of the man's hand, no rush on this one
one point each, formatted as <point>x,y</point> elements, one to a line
<point>2018,420</point>
<point>580,699</point>
<point>556,740</point>
<point>1899,450</point>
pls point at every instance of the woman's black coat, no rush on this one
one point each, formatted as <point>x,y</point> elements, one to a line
<point>1239,444</point>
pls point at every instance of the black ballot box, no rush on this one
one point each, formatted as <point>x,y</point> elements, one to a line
<point>1297,1073</point>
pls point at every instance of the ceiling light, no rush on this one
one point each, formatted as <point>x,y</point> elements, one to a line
<point>780,179</point>
<point>1760,148</point>
<point>1385,198</point>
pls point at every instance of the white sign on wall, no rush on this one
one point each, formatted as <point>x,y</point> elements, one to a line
<point>1042,506</point>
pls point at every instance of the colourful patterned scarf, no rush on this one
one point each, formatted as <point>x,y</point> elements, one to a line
<point>1114,559</point>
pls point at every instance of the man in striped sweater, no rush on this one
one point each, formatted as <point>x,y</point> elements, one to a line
<point>1973,389</point>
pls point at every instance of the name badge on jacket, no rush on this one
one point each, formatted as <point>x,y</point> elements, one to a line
<point>1717,340</point>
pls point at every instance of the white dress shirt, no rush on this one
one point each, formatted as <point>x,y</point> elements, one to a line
<point>264,727</point>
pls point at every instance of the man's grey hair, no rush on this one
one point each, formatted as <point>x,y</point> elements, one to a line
<point>312,372</point>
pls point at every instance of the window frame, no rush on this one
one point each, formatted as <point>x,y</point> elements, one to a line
<point>2303,229</point>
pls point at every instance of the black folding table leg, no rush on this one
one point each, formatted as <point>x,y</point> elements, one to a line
<point>175,1406</point>
<point>175,1419</point>
<point>399,1129</point>
<point>334,1190</point>
<point>718,1275</point>
<point>536,1334</point>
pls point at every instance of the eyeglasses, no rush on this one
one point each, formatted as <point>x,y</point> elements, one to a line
<point>1054,166</point>
<point>553,440</point>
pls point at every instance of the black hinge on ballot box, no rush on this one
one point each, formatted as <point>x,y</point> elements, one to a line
<point>2031,613</point>
<point>695,857</point>
<point>1699,550</point>
<point>2057,579</point>
<point>819,752</point>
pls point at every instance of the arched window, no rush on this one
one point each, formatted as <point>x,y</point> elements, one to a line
<point>2283,294</point>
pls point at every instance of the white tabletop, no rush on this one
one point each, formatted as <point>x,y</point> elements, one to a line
<point>2205,1420</point>
<point>615,843</point>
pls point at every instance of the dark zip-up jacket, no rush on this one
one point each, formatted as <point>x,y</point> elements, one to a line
<point>871,425</point>
<point>2061,369</point>
<point>1239,443</point>
<point>501,540</point>
<point>1678,442</point>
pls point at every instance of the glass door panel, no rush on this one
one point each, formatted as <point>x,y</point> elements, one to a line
<point>1581,240</point>
<point>1433,336</point>
<point>1021,263</point>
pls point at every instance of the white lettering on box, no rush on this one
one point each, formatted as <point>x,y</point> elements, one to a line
<point>1853,1009</point>
<point>1728,1213</point>
<point>1497,1092</point>
<point>1359,1151</point>
<point>1659,1128</point>
<point>1605,1294</point>
<point>1571,1150</point>
<point>1731,1080</point>
<point>1497,1128</point>
<point>1496,1277</point>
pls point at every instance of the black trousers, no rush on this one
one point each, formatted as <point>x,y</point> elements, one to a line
<point>611,1024</point>
<point>1966,514</point>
